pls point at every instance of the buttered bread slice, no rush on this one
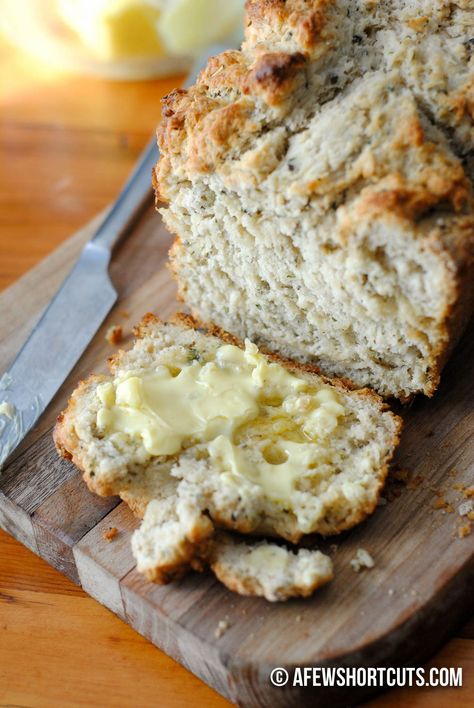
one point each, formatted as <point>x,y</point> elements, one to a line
<point>254,443</point>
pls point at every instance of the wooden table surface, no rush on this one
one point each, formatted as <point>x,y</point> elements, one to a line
<point>66,145</point>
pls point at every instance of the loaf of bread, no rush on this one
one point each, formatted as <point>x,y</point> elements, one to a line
<point>319,182</point>
<point>198,432</point>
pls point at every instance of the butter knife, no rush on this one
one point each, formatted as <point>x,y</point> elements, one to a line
<point>76,311</point>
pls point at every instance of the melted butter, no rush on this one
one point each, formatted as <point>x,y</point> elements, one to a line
<point>277,480</point>
<point>238,397</point>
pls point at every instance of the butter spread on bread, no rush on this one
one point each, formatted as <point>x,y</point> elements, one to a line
<point>234,395</point>
<point>258,445</point>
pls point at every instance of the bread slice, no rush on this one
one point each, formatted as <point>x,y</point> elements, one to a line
<point>320,185</point>
<point>185,498</point>
<point>333,488</point>
<point>170,540</point>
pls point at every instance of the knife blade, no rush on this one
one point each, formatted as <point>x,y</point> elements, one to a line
<point>76,311</point>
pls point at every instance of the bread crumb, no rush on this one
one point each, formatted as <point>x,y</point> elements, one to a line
<point>391,591</point>
<point>459,487</point>
<point>221,628</point>
<point>393,493</point>
<point>470,516</point>
<point>415,482</point>
<point>362,559</point>
<point>465,530</point>
<point>114,335</point>
<point>469,492</point>
<point>110,534</point>
<point>401,475</point>
<point>398,479</point>
<point>441,503</point>
<point>125,314</point>
<point>298,618</point>
<point>465,507</point>
<point>417,24</point>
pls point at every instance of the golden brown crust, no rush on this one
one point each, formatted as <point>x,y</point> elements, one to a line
<point>204,122</point>
<point>283,37</point>
<point>274,76</point>
<point>461,288</point>
<point>67,441</point>
<point>175,570</point>
<point>300,23</point>
<point>251,587</point>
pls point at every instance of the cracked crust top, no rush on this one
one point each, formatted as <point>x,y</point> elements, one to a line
<point>299,54</point>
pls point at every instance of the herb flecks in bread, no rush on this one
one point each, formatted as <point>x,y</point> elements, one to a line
<point>326,446</point>
<point>320,185</point>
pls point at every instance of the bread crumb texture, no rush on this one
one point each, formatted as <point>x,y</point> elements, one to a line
<point>191,501</point>
<point>114,335</point>
<point>221,628</point>
<point>319,182</point>
<point>110,533</point>
<point>362,560</point>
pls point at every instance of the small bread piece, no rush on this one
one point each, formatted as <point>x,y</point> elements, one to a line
<point>169,540</point>
<point>267,570</point>
<point>330,483</point>
<point>319,182</point>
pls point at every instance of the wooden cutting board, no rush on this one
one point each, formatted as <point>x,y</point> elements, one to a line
<point>401,611</point>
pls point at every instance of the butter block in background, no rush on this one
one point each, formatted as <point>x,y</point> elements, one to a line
<point>115,29</point>
<point>188,26</point>
<point>120,39</point>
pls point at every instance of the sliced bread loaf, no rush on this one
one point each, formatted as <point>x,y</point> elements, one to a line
<point>319,183</point>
